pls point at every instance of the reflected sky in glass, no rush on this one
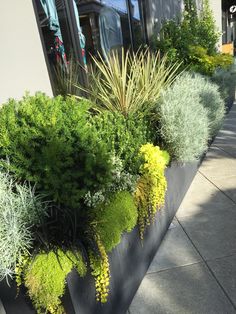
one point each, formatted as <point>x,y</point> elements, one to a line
<point>119,5</point>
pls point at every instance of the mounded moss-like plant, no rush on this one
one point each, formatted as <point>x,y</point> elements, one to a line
<point>183,120</point>
<point>152,185</point>
<point>109,221</point>
<point>210,98</point>
<point>20,211</point>
<point>112,219</point>
<point>45,278</point>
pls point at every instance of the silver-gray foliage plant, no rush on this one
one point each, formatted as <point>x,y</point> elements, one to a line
<point>20,210</point>
<point>210,98</point>
<point>121,181</point>
<point>183,120</point>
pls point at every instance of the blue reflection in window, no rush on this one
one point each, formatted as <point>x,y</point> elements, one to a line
<point>118,5</point>
<point>135,9</point>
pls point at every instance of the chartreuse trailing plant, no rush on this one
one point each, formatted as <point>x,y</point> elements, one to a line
<point>50,142</point>
<point>20,211</point>
<point>45,277</point>
<point>152,185</point>
<point>183,120</point>
<point>109,221</point>
<point>129,83</point>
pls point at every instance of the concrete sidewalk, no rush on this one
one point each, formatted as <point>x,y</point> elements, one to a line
<point>194,270</point>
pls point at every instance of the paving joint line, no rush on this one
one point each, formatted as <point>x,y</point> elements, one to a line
<point>231,155</point>
<point>217,187</point>
<point>208,267</point>
<point>175,267</point>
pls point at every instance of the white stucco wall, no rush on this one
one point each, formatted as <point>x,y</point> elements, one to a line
<point>22,62</point>
<point>217,11</point>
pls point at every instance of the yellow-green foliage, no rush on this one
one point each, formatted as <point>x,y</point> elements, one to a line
<point>45,278</point>
<point>100,271</point>
<point>151,187</point>
<point>112,219</point>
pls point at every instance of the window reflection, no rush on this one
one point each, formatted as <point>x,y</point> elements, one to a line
<point>100,21</point>
<point>138,37</point>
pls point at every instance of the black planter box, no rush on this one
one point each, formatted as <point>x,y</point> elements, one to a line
<point>129,261</point>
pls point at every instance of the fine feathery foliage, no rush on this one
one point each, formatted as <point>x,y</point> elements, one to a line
<point>20,210</point>
<point>183,120</point>
<point>151,186</point>
<point>45,277</point>
<point>226,80</point>
<point>129,83</point>
<point>50,142</point>
<point>210,98</point>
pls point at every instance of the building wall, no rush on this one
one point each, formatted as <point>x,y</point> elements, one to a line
<point>159,10</point>
<point>22,62</point>
<point>216,7</point>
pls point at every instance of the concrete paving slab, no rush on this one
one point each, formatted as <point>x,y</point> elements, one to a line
<point>212,232</point>
<point>184,290</point>
<point>225,271</point>
<point>176,250</point>
<point>227,185</point>
<point>203,195</point>
<point>218,164</point>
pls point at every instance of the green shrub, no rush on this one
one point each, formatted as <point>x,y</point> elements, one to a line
<point>45,278</point>
<point>207,64</point>
<point>124,136</point>
<point>193,40</point>
<point>20,211</point>
<point>183,120</point>
<point>50,142</point>
<point>152,185</point>
<point>114,218</point>
<point>210,98</point>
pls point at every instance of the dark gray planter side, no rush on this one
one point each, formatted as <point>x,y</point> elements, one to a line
<point>129,261</point>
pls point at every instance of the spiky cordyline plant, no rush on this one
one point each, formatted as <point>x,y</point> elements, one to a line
<point>20,210</point>
<point>129,83</point>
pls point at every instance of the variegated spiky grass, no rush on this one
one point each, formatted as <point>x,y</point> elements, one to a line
<point>129,83</point>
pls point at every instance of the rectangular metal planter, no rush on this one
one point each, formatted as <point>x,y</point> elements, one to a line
<point>129,261</point>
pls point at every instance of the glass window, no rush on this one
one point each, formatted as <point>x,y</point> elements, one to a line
<point>105,24</point>
<point>138,36</point>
